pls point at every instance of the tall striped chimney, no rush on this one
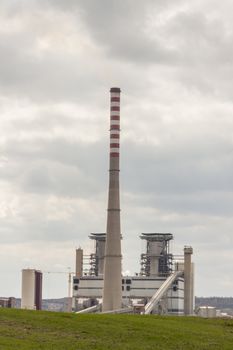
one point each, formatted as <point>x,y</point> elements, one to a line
<point>112,292</point>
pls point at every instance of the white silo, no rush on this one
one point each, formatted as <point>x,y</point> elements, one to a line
<point>31,289</point>
<point>28,289</point>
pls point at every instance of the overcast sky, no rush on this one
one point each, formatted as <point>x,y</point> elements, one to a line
<point>173,61</point>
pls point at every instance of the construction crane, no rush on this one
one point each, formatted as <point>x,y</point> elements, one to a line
<point>69,273</point>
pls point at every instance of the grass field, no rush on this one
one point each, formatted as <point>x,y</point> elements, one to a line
<point>20,329</point>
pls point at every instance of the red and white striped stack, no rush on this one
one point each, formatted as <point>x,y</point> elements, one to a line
<point>115,122</point>
<point>112,289</point>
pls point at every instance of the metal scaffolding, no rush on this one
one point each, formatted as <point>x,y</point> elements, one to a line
<point>157,260</point>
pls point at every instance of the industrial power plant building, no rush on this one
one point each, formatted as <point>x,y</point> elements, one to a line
<point>164,283</point>
<point>159,285</point>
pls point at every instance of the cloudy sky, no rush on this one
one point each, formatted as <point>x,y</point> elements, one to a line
<point>173,62</point>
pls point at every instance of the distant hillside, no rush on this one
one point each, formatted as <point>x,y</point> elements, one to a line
<point>49,304</point>
<point>218,302</point>
<point>222,303</point>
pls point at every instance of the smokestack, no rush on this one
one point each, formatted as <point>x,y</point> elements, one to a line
<point>112,291</point>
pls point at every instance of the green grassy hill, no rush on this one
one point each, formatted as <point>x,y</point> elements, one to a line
<point>34,330</point>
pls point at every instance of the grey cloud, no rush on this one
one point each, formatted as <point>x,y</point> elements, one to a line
<point>42,229</point>
<point>206,36</point>
<point>189,42</point>
<point>111,29</point>
<point>50,178</point>
<point>45,79</point>
<point>58,166</point>
<point>203,43</point>
<point>180,171</point>
<point>44,74</point>
<point>187,36</point>
<point>172,177</point>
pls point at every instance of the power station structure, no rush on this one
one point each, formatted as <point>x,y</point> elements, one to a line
<point>164,283</point>
<point>31,297</point>
<point>159,286</point>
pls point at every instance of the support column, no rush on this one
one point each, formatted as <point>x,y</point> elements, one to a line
<point>188,281</point>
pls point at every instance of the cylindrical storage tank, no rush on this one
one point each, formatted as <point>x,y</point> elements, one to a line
<point>154,251</point>
<point>211,312</point>
<point>207,311</point>
<point>28,289</point>
<point>100,251</point>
